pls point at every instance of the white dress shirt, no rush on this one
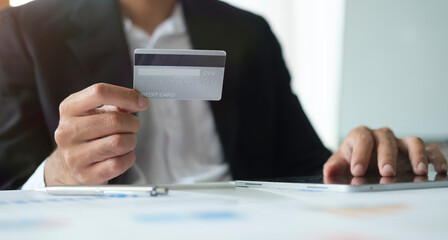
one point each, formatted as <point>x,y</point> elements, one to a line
<point>177,141</point>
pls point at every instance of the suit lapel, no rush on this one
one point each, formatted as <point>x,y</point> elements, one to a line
<point>203,29</point>
<point>100,44</point>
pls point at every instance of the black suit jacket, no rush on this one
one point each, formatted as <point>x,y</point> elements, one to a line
<point>52,48</point>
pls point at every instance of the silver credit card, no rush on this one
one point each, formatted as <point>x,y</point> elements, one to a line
<point>179,74</point>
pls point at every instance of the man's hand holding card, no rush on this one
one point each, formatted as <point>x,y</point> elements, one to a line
<point>96,135</point>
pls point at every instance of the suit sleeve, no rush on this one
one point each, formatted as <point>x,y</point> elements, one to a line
<point>24,139</point>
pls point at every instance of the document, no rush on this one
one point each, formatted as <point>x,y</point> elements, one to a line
<point>226,214</point>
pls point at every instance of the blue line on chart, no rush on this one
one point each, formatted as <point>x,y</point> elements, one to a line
<point>215,215</point>
<point>67,199</point>
<point>175,217</point>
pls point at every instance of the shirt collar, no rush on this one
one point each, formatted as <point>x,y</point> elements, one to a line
<point>173,25</point>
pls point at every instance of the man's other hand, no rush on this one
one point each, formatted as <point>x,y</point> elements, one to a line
<point>379,150</point>
<point>96,136</point>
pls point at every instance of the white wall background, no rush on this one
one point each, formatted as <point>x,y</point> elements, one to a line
<point>396,67</point>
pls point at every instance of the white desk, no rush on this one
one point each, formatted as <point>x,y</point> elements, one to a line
<point>227,214</point>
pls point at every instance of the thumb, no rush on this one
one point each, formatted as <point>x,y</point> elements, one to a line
<point>336,165</point>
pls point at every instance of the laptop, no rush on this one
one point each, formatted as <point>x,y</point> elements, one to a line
<point>349,183</point>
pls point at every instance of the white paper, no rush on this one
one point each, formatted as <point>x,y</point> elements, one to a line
<point>227,214</point>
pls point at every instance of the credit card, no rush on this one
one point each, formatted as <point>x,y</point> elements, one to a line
<point>179,74</point>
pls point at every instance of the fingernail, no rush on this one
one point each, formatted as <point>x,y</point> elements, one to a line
<point>388,170</point>
<point>443,167</point>
<point>421,167</point>
<point>358,170</point>
<point>142,101</point>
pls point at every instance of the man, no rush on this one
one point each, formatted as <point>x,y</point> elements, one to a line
<point>71,75</point>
